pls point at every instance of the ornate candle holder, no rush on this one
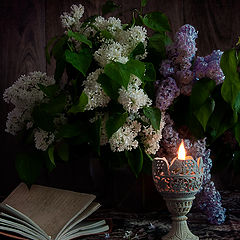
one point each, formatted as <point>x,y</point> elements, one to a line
<point>178,182</point>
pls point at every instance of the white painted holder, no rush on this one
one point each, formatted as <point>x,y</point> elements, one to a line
<point>178,183</point>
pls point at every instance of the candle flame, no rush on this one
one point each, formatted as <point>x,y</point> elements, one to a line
<point>181,152</point>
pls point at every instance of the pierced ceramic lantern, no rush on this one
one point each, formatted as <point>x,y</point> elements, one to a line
<point>178,182</point>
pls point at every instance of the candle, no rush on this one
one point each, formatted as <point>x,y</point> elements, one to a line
<point>181,152</point>
<point>178,182</point>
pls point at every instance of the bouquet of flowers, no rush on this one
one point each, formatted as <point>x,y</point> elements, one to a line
<point>128,95</point>
<point>106,99</point>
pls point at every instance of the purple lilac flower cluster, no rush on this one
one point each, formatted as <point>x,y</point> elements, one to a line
<point>167,91</point>
<point>181,69</point>
<point>179,72</point>
<point>209,67</point>
<point>209,199</point>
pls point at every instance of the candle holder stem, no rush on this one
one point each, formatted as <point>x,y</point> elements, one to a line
<point>179,207</point>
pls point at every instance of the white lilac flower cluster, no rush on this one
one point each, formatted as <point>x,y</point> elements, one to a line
<point>43,139</point>
<point>133,98</point>
<point>24,94</point>
<point>71,19</point>
<point>125,137</point>
<point>116,47</point>
<point>94,91</point>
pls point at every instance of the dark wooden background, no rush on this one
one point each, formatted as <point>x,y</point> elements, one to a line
<point>27,25</point>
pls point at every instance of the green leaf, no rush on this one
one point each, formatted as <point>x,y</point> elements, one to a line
<point>63,151</point>
<point>148,79</point>
<point>84,135</point>
<point>135,160</point>
<point>158,43</point>
<point>154,115</point>
<point>204,112</point>
<point>49,91</point>
<point>150,73</point>
<point>221,119</point>
<point>50,42</point>
<point>51,154</point>
<point>49,165</point>
<point>237,132</point>
<point>108,7</point>
<point>138,50</point>
<point>80,106</point>
<point>238,43</point>
<point>58,51</point>
<point>106,34</point>
<point>110,86</point>
<point>133,20</point>
<point>59,47</point>
<point>156,21</point>
<point>231,85</point>
<point>118,73</point>
<point>147,164</point>
<point>237,103</point>
<point>143,3</point>
<point>59,70</point>
<point>201,92</point>
<point>80,37</point>
<point>55,105</point>
<point>70,130</point>
<point>29,167</point>
<point>115,122</point>
<point>135,67</point>
<point>81,61</point>
<point>43,119</point>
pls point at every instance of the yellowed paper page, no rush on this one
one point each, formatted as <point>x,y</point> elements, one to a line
<point>50,208</point>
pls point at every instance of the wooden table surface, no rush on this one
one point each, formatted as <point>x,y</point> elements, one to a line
<point>153,225</point>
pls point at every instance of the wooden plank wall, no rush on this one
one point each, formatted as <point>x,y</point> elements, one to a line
<point>27,25</point>
<point>22,41</point>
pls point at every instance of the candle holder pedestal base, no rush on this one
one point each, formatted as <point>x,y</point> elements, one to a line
<point>179,207</point>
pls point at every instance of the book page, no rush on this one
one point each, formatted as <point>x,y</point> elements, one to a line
<point>21,233</point>
<point>12,225</point>
<point>14,220</point>
<point>50,208</point>
<point>85,226</point>
<point>14,214</point>
<point>88,211</point>
<point>96,230</point>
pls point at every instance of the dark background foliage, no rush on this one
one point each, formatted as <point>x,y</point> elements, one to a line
<point>26,26</point>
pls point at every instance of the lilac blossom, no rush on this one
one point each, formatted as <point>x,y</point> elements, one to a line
<point>186,45</point>
<point>209,201</point>
<point>209,66</point>
<point>166,93</point>
<point>200,67</point>
<point>166,68</point>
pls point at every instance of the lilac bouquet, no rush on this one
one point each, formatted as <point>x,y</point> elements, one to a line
<point>191,82</point>
<point>109,97</point>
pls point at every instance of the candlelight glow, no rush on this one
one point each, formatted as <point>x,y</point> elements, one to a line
<point>181,152</point>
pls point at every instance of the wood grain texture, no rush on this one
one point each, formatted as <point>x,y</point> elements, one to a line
<point>217,21</point>
<point>22,41</point>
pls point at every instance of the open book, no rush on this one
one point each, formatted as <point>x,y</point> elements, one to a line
<point>44,213</point>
